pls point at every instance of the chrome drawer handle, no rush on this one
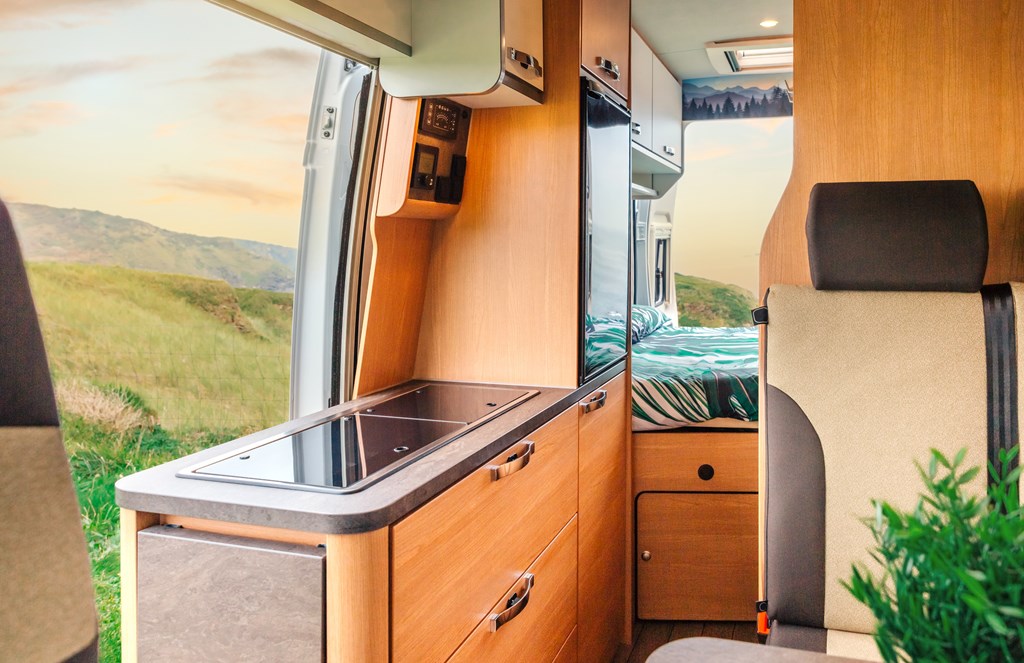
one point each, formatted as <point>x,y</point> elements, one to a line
<point>515,462</point>
<point>515,605</point>
<point>669,150</point>
<point>526,61</point>
<point>595,403</point>
<point>609,67</point>
<point>636,128</point>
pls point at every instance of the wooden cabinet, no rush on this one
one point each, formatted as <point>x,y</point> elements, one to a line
<point>641,78</point>
<point>604,46</point>
<point>538,533</point>
<point>697,556</point>
<point>455,556</point>
<point>536,616</point>
<point>667,110</point>
<point>602,521</point>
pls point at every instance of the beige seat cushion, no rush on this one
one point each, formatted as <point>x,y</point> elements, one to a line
<point>860,646</point>
<point>46,597</point>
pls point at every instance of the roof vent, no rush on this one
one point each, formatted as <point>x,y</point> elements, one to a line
<point>751,56</point>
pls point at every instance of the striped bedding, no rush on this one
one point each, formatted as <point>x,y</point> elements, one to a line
<point>693,374</point>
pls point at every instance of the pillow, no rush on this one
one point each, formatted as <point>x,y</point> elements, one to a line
<point>647,320</point>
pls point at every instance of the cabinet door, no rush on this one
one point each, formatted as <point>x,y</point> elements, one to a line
<point>605,42</point>
<point>696,556</point>
<point>641,63</point>
<point>602,523</point>
<point>667,141</point>
<point>524,33</point>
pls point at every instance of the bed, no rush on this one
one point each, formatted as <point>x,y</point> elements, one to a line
<point>692,376</point>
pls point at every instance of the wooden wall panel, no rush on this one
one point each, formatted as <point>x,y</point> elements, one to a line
<point>502,286</point>
<point>916,89</point>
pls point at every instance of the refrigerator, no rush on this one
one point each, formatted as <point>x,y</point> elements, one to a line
<point>606,218</point>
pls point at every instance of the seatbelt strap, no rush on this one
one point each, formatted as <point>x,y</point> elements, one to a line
<point>1001,367</point>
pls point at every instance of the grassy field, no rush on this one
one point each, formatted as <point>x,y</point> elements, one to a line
<point>707,303</point>
<point>150,367</point>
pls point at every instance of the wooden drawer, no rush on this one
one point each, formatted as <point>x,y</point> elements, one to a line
<point>669,462</point>
<point>536,634</point>
<point>568,652</point>
<point>456,554</point>
<point>703,556</point>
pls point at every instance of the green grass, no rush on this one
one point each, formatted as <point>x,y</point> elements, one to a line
<point>150,367</point>
<point>706,303</point>
<point>203,354</point>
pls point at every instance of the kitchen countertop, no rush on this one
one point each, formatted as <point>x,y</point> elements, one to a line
<point>159,490</point>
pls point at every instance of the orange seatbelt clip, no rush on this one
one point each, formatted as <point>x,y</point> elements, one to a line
<point>762,618</point>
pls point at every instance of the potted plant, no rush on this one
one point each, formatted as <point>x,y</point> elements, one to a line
<point>952,581</point>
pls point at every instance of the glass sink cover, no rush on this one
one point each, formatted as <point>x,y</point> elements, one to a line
<point>351,451</point>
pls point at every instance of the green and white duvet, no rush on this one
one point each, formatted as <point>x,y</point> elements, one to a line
<point>693,374</point>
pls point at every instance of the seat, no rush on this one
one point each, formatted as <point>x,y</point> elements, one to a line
<point>889,354</point>
<point>47,610</point>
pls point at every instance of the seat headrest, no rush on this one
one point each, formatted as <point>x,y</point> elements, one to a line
<point>913,236</point>
<point>26,393</point>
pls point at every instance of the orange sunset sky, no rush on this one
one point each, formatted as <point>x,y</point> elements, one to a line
<point>176,112</point>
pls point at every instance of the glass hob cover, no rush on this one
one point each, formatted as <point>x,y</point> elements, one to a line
<point>352,451</point>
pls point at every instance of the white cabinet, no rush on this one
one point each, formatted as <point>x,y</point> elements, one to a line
<point>657,106</point>
<point>482,53</point>
<point>667,110</point>
<point>641,81</point>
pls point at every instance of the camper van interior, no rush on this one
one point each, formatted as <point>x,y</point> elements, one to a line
<point>663,330</point>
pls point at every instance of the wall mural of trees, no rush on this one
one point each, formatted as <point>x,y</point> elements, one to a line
<point>734,97</point>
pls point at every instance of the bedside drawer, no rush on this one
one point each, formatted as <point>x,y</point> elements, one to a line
<point>535,630</point>
<point>454,556</point>
<point>675,462</point>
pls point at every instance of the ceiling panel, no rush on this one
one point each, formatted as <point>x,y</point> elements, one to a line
<point>678,29</point>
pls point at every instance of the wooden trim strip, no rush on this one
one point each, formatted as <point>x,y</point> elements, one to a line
<point>131,523</point>
<point>250,531</point>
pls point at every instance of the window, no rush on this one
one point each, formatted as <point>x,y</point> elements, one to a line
<point>735,173</point>
<point>157,167</point>
<point>660,271</point>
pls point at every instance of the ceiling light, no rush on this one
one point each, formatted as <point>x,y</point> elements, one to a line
<point>769,23</point>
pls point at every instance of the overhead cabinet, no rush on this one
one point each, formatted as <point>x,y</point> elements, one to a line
<point>667,114</point>
<point>605,42</point>
<point>641,78</point>
<point>657,109</point>
<point>482,53</point>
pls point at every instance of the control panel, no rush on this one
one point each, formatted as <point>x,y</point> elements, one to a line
<point>439,159</point>
<point>441,118</point>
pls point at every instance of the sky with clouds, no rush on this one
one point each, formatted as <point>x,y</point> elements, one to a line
<point>734,174</point>
<point>176,112</point>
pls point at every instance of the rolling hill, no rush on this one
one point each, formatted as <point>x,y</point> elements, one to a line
<point>82,236</point>
<point>204,355</point>
<point>706,303</point>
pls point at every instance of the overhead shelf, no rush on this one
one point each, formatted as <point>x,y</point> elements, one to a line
<point>653,173</point>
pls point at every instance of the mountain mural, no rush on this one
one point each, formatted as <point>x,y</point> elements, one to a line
<point>721,98</point>
<point>81,236</point>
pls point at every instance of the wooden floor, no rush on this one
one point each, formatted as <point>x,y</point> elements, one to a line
<point>651,635</point>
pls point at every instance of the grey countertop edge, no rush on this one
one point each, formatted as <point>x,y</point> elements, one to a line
<point>159,490</point>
